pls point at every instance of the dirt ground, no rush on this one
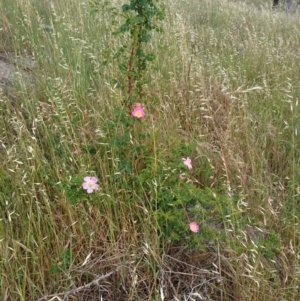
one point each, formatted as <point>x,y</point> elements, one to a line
<point>15,69</point>
<point>7,71</point>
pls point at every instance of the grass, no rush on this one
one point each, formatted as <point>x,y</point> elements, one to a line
<point>222,90</point>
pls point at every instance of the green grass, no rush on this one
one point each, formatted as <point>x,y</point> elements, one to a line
<point>223,90</point>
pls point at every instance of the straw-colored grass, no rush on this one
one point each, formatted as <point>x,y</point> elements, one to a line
<point>225,80</point>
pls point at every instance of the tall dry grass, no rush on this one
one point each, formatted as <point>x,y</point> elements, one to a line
<point>225,79</point>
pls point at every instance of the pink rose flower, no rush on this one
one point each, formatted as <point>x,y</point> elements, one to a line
<point>138,111</point>
<point>89,184</point>
<point>194,227</point>
<point>187,162</point>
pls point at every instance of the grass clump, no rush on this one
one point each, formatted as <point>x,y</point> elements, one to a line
<point>218,86</point>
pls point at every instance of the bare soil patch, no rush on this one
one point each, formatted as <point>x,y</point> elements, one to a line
<point>14,67</point>
<point>7,71</point>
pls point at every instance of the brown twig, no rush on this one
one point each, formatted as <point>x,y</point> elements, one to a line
<point>80,288</point>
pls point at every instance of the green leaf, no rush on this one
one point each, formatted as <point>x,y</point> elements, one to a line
<point>126,8</point>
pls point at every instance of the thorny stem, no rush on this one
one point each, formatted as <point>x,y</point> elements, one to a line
<point>130,67</point>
